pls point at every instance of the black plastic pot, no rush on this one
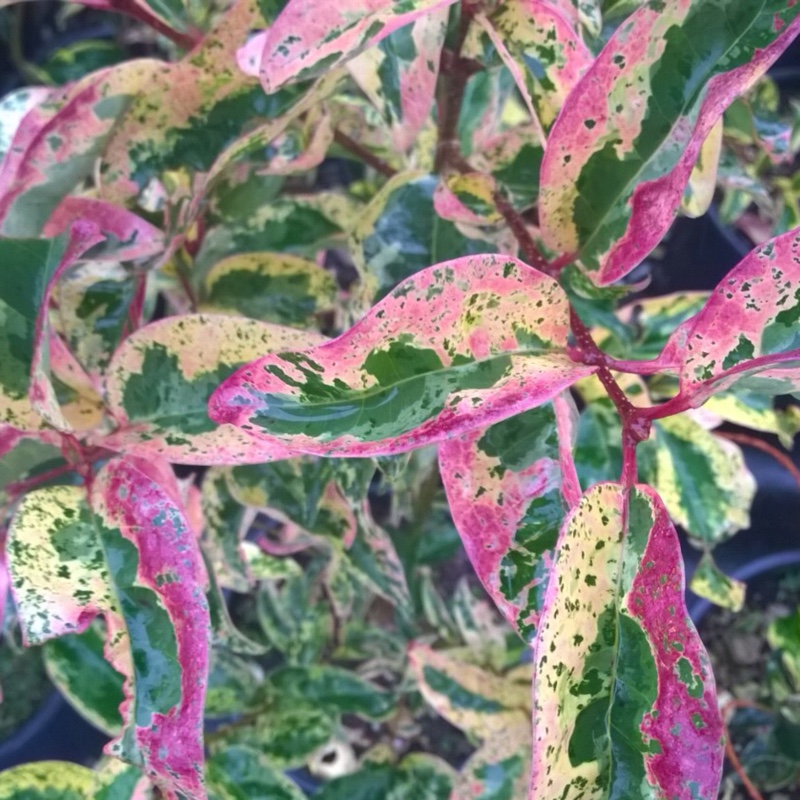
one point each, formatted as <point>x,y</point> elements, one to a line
<point>55,732</point>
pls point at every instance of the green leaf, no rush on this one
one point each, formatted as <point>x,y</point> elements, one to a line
<point>272,287</point>
<point>623,689</point>
<point>77,666</point>
<point>400,233</point>
<point>458,346</point>
<point>623,147</point>
<point>46,780</point>
<point>710,582</point>
<point>242,773</point>
<point>161,377</point>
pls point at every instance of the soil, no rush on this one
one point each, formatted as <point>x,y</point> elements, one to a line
<point>740,656</point>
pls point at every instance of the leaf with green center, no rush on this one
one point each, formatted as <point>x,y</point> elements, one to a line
<point>48,158</point>
<point>399,75</point>
<point>332,689</point>
<point>46,780</point>
<point>126,552</point>
<point>747,334</point>
<point>308,39</point>
<point>94,302</point>
<point>419,775</point>
<point>23,456</point>
<point>161,377</point>
<point>623,693</point>
<point>623,147</point>
<point>701,478</point>
<point>285,736</point>
<point>76,665</point>
<point>115,780</point>
<point>500,768</point>
<point>467,198</point>
<point>710,582</point>
<point>504,487</point>
<point>491,344</point>
<point>543,52</point>
<point>400,233</point>
<point>241,772</point>
<point>272,287</point>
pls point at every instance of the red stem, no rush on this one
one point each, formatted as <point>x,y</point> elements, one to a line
<point>369,158</point>
<point>530,252</point>
<point>730,752</point>
<point>23,487</point>
<point>130,8</point>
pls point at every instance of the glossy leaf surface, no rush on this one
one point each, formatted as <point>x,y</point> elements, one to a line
<point>160,379</point>
<point>272,287</point>
<point>620,155</point>
<point>504,489</point>
<point>491,346</point>
<point>307,39</point>
<point>747,334</point>
<point>623,692</point>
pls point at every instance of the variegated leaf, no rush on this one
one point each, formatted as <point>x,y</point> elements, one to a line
<point>747,333</point>
<point>46,780</point>
<point>75,663</point>
<point>32,268</point>
<point>132,557</point>
<point>401,233</point>
<point>58,141</point>
<point>13,108</point>
<point>504,489</point>
<point>490,707</point>
<point>160,379</point>
<point>492,345</point>
<point>710,582</point>
<point>624,697</point>
<point>542,51</point>
<point>467,198</point>
<point>399,75</point>
<point>273,287</point>
<point>699,190</point>
<point>701,478</point>
<point>308,38</point>
<point>626,140</point>
<point>240,771</point>
<point>127,237</point>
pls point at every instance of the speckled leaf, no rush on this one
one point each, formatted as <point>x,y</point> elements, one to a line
<point>624,697</point>
<point>701,478</point>
<point>547,56</point>
<point>240,772</point>
<point>476,701</point>
<point>13,108</point>
<point>504,489</point>
<point>93,305</point>
<point>399,75</point>
<point>710,582</point>
<point>127,236</point>
<point>333,689</point>
<point>76,665</point>
<point>419,775</point>
<point>756,412</point>
<point>57,143</point>
<point>46,780</point>
<point>401,233</point>
<point>273,287</point>
<point>699,190</point>
<point>747,333</point>
<point>287,735</point>
<point>492,345</point>
<point>159,583</point>
<point>467,198</point>
<point>160,379</point>
<point>191,111</point>
<point>308,38</point>
<point>626,140</point>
